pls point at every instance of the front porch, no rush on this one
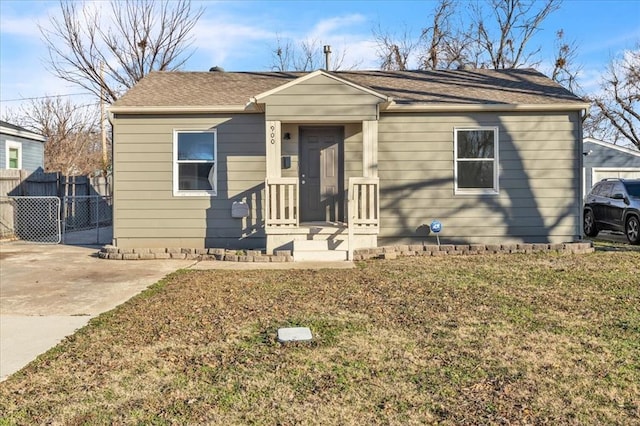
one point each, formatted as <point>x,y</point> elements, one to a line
<point>321,187</point>
<point>285,231</point>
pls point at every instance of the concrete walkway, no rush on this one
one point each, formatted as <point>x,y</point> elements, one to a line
<point>47,292</point>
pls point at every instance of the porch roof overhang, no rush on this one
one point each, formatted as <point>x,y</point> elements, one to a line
<point>260,98</point>
<point>320,97</point>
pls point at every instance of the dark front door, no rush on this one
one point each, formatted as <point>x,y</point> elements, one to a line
<point>321,174</point>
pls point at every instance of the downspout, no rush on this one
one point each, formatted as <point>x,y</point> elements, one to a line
<point>584,114</point>
<point>111,117</point>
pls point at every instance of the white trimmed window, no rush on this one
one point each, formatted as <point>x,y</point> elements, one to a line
<point>195,162</point>
<point>13,155</point>
<point>476,160</point>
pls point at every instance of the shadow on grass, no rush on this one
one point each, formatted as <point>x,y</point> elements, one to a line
<point>606,245</point>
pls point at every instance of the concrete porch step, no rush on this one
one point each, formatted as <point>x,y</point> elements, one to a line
<point>319,255</point>
<point>317,250</point>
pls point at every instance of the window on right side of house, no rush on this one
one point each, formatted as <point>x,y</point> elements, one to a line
<point>476,160</point>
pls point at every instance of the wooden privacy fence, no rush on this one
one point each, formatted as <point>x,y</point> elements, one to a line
<point>20,183</point>
<point>83,201</point>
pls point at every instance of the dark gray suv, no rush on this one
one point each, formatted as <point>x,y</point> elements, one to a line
<point>613,205</point>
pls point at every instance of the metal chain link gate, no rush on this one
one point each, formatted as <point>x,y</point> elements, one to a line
<point>51,220</point>
<point>34,219</point>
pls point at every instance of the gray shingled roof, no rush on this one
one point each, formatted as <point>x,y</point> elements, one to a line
<point>474,87</point>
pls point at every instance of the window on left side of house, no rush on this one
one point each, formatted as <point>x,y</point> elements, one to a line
<point>195,162</point>
<point>14,155</point>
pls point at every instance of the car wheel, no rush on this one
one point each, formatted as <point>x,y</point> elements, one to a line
<point>590,228</point>
<point>632,230</point>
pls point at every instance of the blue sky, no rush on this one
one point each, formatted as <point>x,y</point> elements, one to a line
<point>238,35</point>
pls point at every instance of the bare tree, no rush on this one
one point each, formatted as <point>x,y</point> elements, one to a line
<point>442,47</point>
<point>618,103</point>
<point>282,55</point>
<point>497,35</point>
<point>565,70</point>
<point>393,51</point>
<point>73,144</point>
<point>134,38</point>
<point>505,45</point>
<point>308,56</point>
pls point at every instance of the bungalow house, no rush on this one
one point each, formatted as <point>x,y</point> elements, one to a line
<point>604,160</point>
<point>20,149</point>
<point>275,159</point>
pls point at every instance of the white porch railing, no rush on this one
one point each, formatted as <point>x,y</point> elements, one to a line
<point>282,202</point>
<point>363,207</point>
<point>364,204</point>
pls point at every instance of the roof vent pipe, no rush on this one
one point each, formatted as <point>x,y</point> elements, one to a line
<point>327,57</point>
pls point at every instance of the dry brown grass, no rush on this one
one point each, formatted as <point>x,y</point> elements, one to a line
<point>514,339</point>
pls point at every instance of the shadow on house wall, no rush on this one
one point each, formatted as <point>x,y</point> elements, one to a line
<point>517,206</point>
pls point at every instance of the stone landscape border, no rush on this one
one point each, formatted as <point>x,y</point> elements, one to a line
<point>385,252</point>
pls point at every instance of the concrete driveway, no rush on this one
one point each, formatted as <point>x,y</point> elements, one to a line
<point>49,291</point>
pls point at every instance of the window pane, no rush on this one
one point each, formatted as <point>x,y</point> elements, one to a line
<point>475,174</point>
<point>633,188</point>
<point>194,176</point>
<point>13,158</point>
<point>475,144</point>
<point>606,189</point>
<point>196,146</point>
<point>617,189</point>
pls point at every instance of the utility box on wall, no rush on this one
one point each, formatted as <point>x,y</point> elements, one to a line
<point>239,209</point>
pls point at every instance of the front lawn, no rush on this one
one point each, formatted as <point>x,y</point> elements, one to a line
<point>498,339</point>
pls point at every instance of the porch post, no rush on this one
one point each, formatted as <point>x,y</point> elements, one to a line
<point>273,149</point>
<point>370,148</point>
<point>369,170</point>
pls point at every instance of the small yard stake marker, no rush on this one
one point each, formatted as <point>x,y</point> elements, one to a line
<point>436,227</point>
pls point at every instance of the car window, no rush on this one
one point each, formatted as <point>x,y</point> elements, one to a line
<point>633,188</point>
<point>596,189</point>
<point>605,190</point>
<point>617,188</point>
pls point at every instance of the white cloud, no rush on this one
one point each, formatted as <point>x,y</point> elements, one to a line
<point>613,42</point>
<point>217,40</point>
<point>335,26</point>
<point>19,26</point>
<point>245,42</point>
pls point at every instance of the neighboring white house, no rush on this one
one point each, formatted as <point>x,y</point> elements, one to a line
<point>20,149</point>
<point>605,160</point>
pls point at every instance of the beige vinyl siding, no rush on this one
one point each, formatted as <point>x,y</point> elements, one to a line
<point>539,163</point>
<point>321,99</point>
<point>147,214</point>
<point>352,150</point>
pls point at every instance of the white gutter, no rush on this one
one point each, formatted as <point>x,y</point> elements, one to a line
<point>394,107</point>
<point>183,109</point>
<point>254,107</point>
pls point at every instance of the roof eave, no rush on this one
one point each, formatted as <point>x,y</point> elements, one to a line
<point>22,134</point>
<point>395,107</point>
<point>248,108</point>
<point>609,145</point>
